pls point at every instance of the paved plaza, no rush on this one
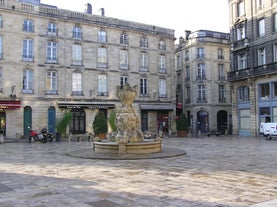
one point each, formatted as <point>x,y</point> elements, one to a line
<point>224,171</point>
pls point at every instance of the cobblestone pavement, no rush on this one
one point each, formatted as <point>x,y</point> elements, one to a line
<point>222,171</point>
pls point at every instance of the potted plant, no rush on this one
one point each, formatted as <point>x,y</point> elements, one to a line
<point>100,126</point>
<point>62,125</point>
<point>182,125</point>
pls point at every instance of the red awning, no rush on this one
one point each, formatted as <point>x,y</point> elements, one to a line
<point>7,104</point>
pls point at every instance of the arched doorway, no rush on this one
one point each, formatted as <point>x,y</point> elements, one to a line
<point>51,119</point>
<point>27,120</point>
<point>2,122</point>
<point>221,121</point>
<point>203,121</point>
<point>78,121</point>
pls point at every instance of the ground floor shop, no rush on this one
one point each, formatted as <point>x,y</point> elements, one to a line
<point>38,114</point>
<point>256,102</point>
<point>210,120</point>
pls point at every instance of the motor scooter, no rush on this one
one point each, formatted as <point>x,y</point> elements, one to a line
<point>35,136</point>
<point>49,136</point>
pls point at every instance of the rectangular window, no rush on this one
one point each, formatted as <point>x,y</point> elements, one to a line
<point>102,85</point>
<point>102,36</point>
<point>220,54</point>
<point>221,94</point>
<point>178,61</point>
<point>264,92</point>
<point>1,22</point>
<point>240,8</point>
<point>1,48</point>
<point>275,53</point>
<point>261,56</point>
<point>241,61</point>
<point>274,88</point>
<point>124,40</point>
<point>162,88</point>
<point>28,25</point>
<point>52,29</point>
<point>260,4</point>
<point>28,81</point>
<point>76,83</point>
<point>77,33</point>
<point>162,67</point>
<point>244,119</point>
<point>187,73</point>
<point>143,87</point>
<point>187,55</point>
<point>243,94</point>
<point>1,79</point>
<point>143,42</point>
<point>221,72</point>
<point>51,82</point>
<point>201,71</point>
<point>143,61</point>
<point>28,50</point>
<point>275,22</point>
<point>201,94</point>
<point>51,56</point>
<point>102,57</point>
<point>261,28</point>
<point>123,80</point>
<point>187,95</point>
<point>124,59</point>
<point>240,32</point>
<point>77,54</point>
<point>200,52</point>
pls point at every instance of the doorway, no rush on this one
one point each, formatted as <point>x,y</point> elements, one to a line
<point>3,122</point>
<point>27,120</point>
<point>203,121</point>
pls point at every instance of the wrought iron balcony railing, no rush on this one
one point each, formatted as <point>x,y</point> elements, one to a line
<point>252,72</point>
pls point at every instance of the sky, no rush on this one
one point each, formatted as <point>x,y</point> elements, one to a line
<point>179,15</point>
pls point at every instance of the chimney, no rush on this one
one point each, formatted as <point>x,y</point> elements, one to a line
<point>102,12</point>
<point>187,33</point>
<point>88,9</point>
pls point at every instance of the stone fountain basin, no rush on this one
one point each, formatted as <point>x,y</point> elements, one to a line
<point>145,147</point>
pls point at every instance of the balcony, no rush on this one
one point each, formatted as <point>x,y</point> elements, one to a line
<point>124,66</point>
<point>201,100</point>
<point>252,72</point>
<point>102,65</point>
<point>27,58</point>
<point>240,44</point>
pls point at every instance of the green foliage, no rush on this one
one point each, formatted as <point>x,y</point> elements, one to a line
<point>112,120</point>
<point>100,123</point>
<point>62,124</point>
<point>182,123</point>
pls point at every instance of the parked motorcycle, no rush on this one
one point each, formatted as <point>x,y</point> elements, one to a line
<point>49,136</point>
<point>35,136</point>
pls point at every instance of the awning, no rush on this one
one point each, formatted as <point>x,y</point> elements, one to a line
<point>8,104</point>
<point>156,107</point>
<point>88,105</point>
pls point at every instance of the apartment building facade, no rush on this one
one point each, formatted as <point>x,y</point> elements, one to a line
<point>54,61</point>
<point>203,92</point>
<point>253,73</point>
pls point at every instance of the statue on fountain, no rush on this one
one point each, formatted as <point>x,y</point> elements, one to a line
<point>127,122</point>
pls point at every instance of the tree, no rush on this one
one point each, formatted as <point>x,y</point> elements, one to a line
<point>100,125</point>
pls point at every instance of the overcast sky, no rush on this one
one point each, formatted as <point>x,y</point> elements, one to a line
<point>179,15</point>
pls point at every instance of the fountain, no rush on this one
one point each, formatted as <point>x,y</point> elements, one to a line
<point>129,138</point>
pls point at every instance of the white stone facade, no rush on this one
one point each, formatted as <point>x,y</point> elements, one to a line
<point>59,59</point>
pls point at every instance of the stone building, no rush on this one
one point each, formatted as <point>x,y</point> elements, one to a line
<point>54,60</point>
<point>203,92</point>
<point>253,73</point>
